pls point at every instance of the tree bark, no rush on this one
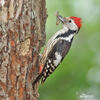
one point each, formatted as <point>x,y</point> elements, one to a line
<point>22,34</point>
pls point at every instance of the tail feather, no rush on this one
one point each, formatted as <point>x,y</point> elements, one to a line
<point>43,79</point>
<point>37,79</point>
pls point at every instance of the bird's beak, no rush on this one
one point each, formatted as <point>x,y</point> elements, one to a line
<point>62,19</point>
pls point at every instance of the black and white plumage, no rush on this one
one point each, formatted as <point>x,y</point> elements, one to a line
<point>58,46</point>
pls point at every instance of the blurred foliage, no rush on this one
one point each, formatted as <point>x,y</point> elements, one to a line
<point>78,76</point>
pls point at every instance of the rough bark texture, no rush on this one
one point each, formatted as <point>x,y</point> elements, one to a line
<point>22,34</point>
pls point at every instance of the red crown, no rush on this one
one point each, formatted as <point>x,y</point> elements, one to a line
<point>77,20</point>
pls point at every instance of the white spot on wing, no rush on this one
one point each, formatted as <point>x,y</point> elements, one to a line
<point>48,65</point>
<point>50,70</point>
<point>44,73</point>
<point>49,61</point>
<point>46,70</point>
<point>58,58</point>
<point>52,66</point>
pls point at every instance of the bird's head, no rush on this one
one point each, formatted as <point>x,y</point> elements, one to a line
<point>72,23</point>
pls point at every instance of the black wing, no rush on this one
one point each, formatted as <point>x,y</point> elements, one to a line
<point>55,57</point>
<point>61,47</point>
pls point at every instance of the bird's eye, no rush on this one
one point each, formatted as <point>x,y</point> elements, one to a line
<point>69,21</point>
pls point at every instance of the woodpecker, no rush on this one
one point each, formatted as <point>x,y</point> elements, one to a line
<point>58,45</point>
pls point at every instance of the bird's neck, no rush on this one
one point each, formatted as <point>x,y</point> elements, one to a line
<point>66,34</point>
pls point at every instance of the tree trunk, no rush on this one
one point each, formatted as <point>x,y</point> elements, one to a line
<point>22,34</point>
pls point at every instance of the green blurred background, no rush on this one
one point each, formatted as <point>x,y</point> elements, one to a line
<point>78,76</point>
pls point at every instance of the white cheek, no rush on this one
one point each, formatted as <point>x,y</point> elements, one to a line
<point>72,26</point>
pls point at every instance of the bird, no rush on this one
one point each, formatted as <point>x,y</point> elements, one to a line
<point>58,46</point>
